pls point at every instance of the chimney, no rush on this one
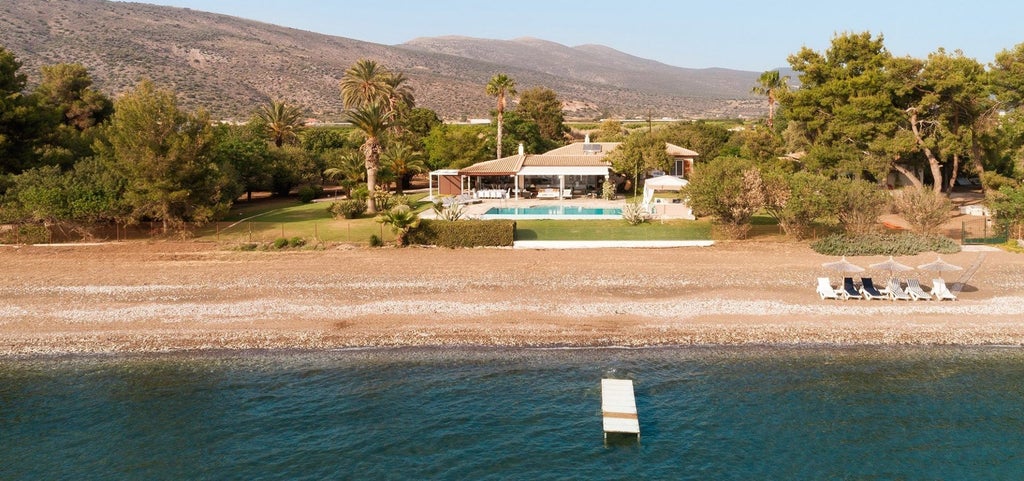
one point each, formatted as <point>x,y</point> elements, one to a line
<point>520,148</point>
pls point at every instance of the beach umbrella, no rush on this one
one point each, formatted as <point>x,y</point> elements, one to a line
<point>892,266</point>
<point>939,266</point>
<point>843,266</point>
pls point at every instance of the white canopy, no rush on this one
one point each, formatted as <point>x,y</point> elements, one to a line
<point>665,182</point>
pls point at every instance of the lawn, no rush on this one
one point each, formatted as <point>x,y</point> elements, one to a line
<point>269,219</point>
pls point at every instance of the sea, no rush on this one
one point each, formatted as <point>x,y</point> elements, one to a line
<point>465,413</point>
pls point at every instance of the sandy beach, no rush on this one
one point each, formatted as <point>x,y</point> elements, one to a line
<point>182,296</point>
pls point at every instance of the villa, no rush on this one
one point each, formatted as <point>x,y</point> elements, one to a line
<point>573,171</point>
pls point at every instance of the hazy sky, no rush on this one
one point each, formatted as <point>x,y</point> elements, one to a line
<point>738,34</point>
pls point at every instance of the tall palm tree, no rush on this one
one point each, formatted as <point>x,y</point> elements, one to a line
<point>283,121</point>
<point>403,160</point>
<point>501,86</point>
<point>770,84</point>
<point>365,83</point>
<point>373,121</point>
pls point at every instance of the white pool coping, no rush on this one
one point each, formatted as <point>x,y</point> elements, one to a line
<point>652,244</point>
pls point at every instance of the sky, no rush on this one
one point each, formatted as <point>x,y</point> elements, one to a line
<point>737,34</point>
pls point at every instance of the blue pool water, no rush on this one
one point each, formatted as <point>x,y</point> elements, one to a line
<point>501,414</point>
<point>553,211</point>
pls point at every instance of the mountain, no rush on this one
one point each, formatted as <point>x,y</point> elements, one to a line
<point>230,65</point>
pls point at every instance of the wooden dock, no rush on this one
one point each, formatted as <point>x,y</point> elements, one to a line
<point>618,407</point>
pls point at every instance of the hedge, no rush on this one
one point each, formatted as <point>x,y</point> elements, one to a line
<point>464,233</point>
<point>903,244</point>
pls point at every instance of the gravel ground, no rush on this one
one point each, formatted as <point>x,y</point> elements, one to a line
<point>180,296</point>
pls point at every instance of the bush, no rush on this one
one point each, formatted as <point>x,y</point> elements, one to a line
<point>403,200</point>
<point>634,213</point>
<point>375,241</point>
<point>280,243</point>
<point>464,233</point>
<point>608,190</point>
<point>924,209</point>
<point>902,244</point>
<point>860,203</point>
<point>729,189</point>
<point>296,242</point>
<point>348,209</point>
<point>24,234</point>
<point>308,192</point>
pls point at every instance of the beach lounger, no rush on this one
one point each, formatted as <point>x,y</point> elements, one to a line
<point>868,290</point>
<point>896,292</point>
<point>915,291</point>
<point>849,289</point>
<point>825,289</point>
<point>940,291</point>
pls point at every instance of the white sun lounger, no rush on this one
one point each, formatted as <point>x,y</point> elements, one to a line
<point>940,291</point>
<point>896,292</point>
<point>915,291</point>
<point>825,289</point>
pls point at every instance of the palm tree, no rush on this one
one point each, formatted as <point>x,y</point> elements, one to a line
<point>770,84</point>
<point>403,160</point>
<point>402,219</point>
<point>373,121</point>
<point>365,83</point>
<point>501,86</point>
<point>283,121</point>
<point>349,170</point>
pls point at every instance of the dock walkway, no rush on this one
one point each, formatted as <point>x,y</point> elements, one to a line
<point>618,407</point>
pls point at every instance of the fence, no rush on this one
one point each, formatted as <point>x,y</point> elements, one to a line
<point>982,230</point>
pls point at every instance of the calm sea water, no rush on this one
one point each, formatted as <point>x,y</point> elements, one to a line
<point>744,413</point>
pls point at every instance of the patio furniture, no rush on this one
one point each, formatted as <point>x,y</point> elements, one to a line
<point>825,289</point>
<point>896,292</point>
<point>915,291</point>
<point>849,289</point>
<point>868,290</point>
<point>940,291</point>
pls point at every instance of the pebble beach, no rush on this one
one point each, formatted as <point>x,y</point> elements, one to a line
<point>190,296</point>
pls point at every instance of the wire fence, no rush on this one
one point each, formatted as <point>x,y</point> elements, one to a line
<point>343,231</point>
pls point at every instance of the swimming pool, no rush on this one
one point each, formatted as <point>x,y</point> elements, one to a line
<point>553,212</point>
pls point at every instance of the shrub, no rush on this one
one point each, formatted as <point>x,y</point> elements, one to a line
<point>924,209</point>
<point>902,244</point>
<point>296,242</point>
<point>797,200</point>
<point>634,213</point>
<point>383,200</point>
<point>280,243</point>
<point>349,209</point>
<point>375,241</point>
<point>451,212</point>
<point>859,204</point>
<point>360,192</point>
<point>731,190</point>
<point>1007,205</point>
<point>403,200</point>
<point>608,190</point>
<point>464,233</point>
<point>24,234</point>
<point>308,192</point>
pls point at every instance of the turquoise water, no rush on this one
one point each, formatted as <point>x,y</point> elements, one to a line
<point>750,413</point>
<point>553,211</point>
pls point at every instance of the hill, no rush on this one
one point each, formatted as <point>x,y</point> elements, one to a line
<point>229,65</point>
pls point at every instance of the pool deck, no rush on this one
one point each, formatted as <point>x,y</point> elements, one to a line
<point>664,211</point>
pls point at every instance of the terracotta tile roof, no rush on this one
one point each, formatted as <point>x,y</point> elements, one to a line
<point>576,148</point>
<point>503,166</point>
<point>565,160</point>
<point>677,151</point>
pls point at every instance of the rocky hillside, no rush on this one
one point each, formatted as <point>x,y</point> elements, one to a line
<point>229,65</point>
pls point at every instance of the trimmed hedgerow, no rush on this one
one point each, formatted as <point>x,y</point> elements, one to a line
<point>902,244</point>
<point>464,233</point>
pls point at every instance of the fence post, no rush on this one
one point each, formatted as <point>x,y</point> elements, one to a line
<point>963,232</point>
<point>216,227</point>
<point>250,231</point>
<point>316,232</point>
<point>282,231</point>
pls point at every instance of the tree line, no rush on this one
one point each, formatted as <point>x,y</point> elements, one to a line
<point>74,158</point>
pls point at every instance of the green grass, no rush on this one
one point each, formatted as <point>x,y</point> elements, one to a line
<point>270,219</point>
<point>611,230</point>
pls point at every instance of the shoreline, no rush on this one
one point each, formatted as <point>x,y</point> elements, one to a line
<point>161,297</point>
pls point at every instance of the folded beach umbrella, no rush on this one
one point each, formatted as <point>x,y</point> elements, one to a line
<point>892,266</point>
<point>940,266</point>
